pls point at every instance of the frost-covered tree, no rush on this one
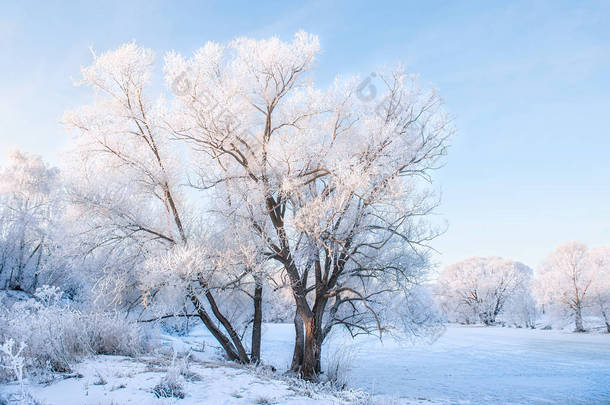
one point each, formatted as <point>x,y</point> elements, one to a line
<point>125,188</point>
<point>599,259</point>
<point>481,287</point>
<point>564,280</point>
<point>30,208</point>
<point>330,186</point>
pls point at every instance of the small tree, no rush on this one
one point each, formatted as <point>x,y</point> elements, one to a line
<point>564,280</point>
<point>482,287</point>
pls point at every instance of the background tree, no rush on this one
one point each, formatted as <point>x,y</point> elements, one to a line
<point>482,287</point>
<point>564,280</point>
<point>30,208</point>
<point>332,186</point>
<point>599,259</point>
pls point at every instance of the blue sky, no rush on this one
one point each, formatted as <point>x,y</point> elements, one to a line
<point>528,84</point>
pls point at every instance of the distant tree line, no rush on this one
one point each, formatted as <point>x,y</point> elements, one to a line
<point>572,282</point>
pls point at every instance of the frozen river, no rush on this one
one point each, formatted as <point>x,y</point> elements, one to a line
<point>473,365</point>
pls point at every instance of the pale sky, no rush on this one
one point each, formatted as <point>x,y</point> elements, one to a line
<point>528,84</point>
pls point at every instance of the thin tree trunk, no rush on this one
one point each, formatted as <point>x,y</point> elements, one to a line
<point>255,357</point>
<point>242,355</point>
<point>299,341</point>
<point>220,337</point>
<point>237,343</point>
<point>35,284</point>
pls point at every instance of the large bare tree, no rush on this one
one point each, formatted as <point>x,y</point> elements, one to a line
<point>331,185</point>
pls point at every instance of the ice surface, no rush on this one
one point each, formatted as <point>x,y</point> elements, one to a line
<point>487,365</point>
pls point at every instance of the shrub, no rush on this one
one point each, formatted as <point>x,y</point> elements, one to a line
<point>57,335</point>
<point>338,365</point>
<point>171,385</point>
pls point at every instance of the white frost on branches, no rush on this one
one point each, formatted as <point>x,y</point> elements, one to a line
<point>480,289</point>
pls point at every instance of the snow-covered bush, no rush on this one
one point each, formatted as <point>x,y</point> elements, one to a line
<point>172,383</point>
<point>12,364</point>
<point>56,335</point>
<point>169,387</point>
<point>12,361</point>
<point>111,333</point>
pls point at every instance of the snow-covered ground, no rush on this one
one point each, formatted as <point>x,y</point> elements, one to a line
<point>118,380</point>
<point>467,365</point>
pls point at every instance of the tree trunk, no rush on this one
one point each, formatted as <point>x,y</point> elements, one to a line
<point>299,342</point>
<point>310,368</point>
<point>312,354</point>
<point>255,356</point>
<point>578,320</point>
